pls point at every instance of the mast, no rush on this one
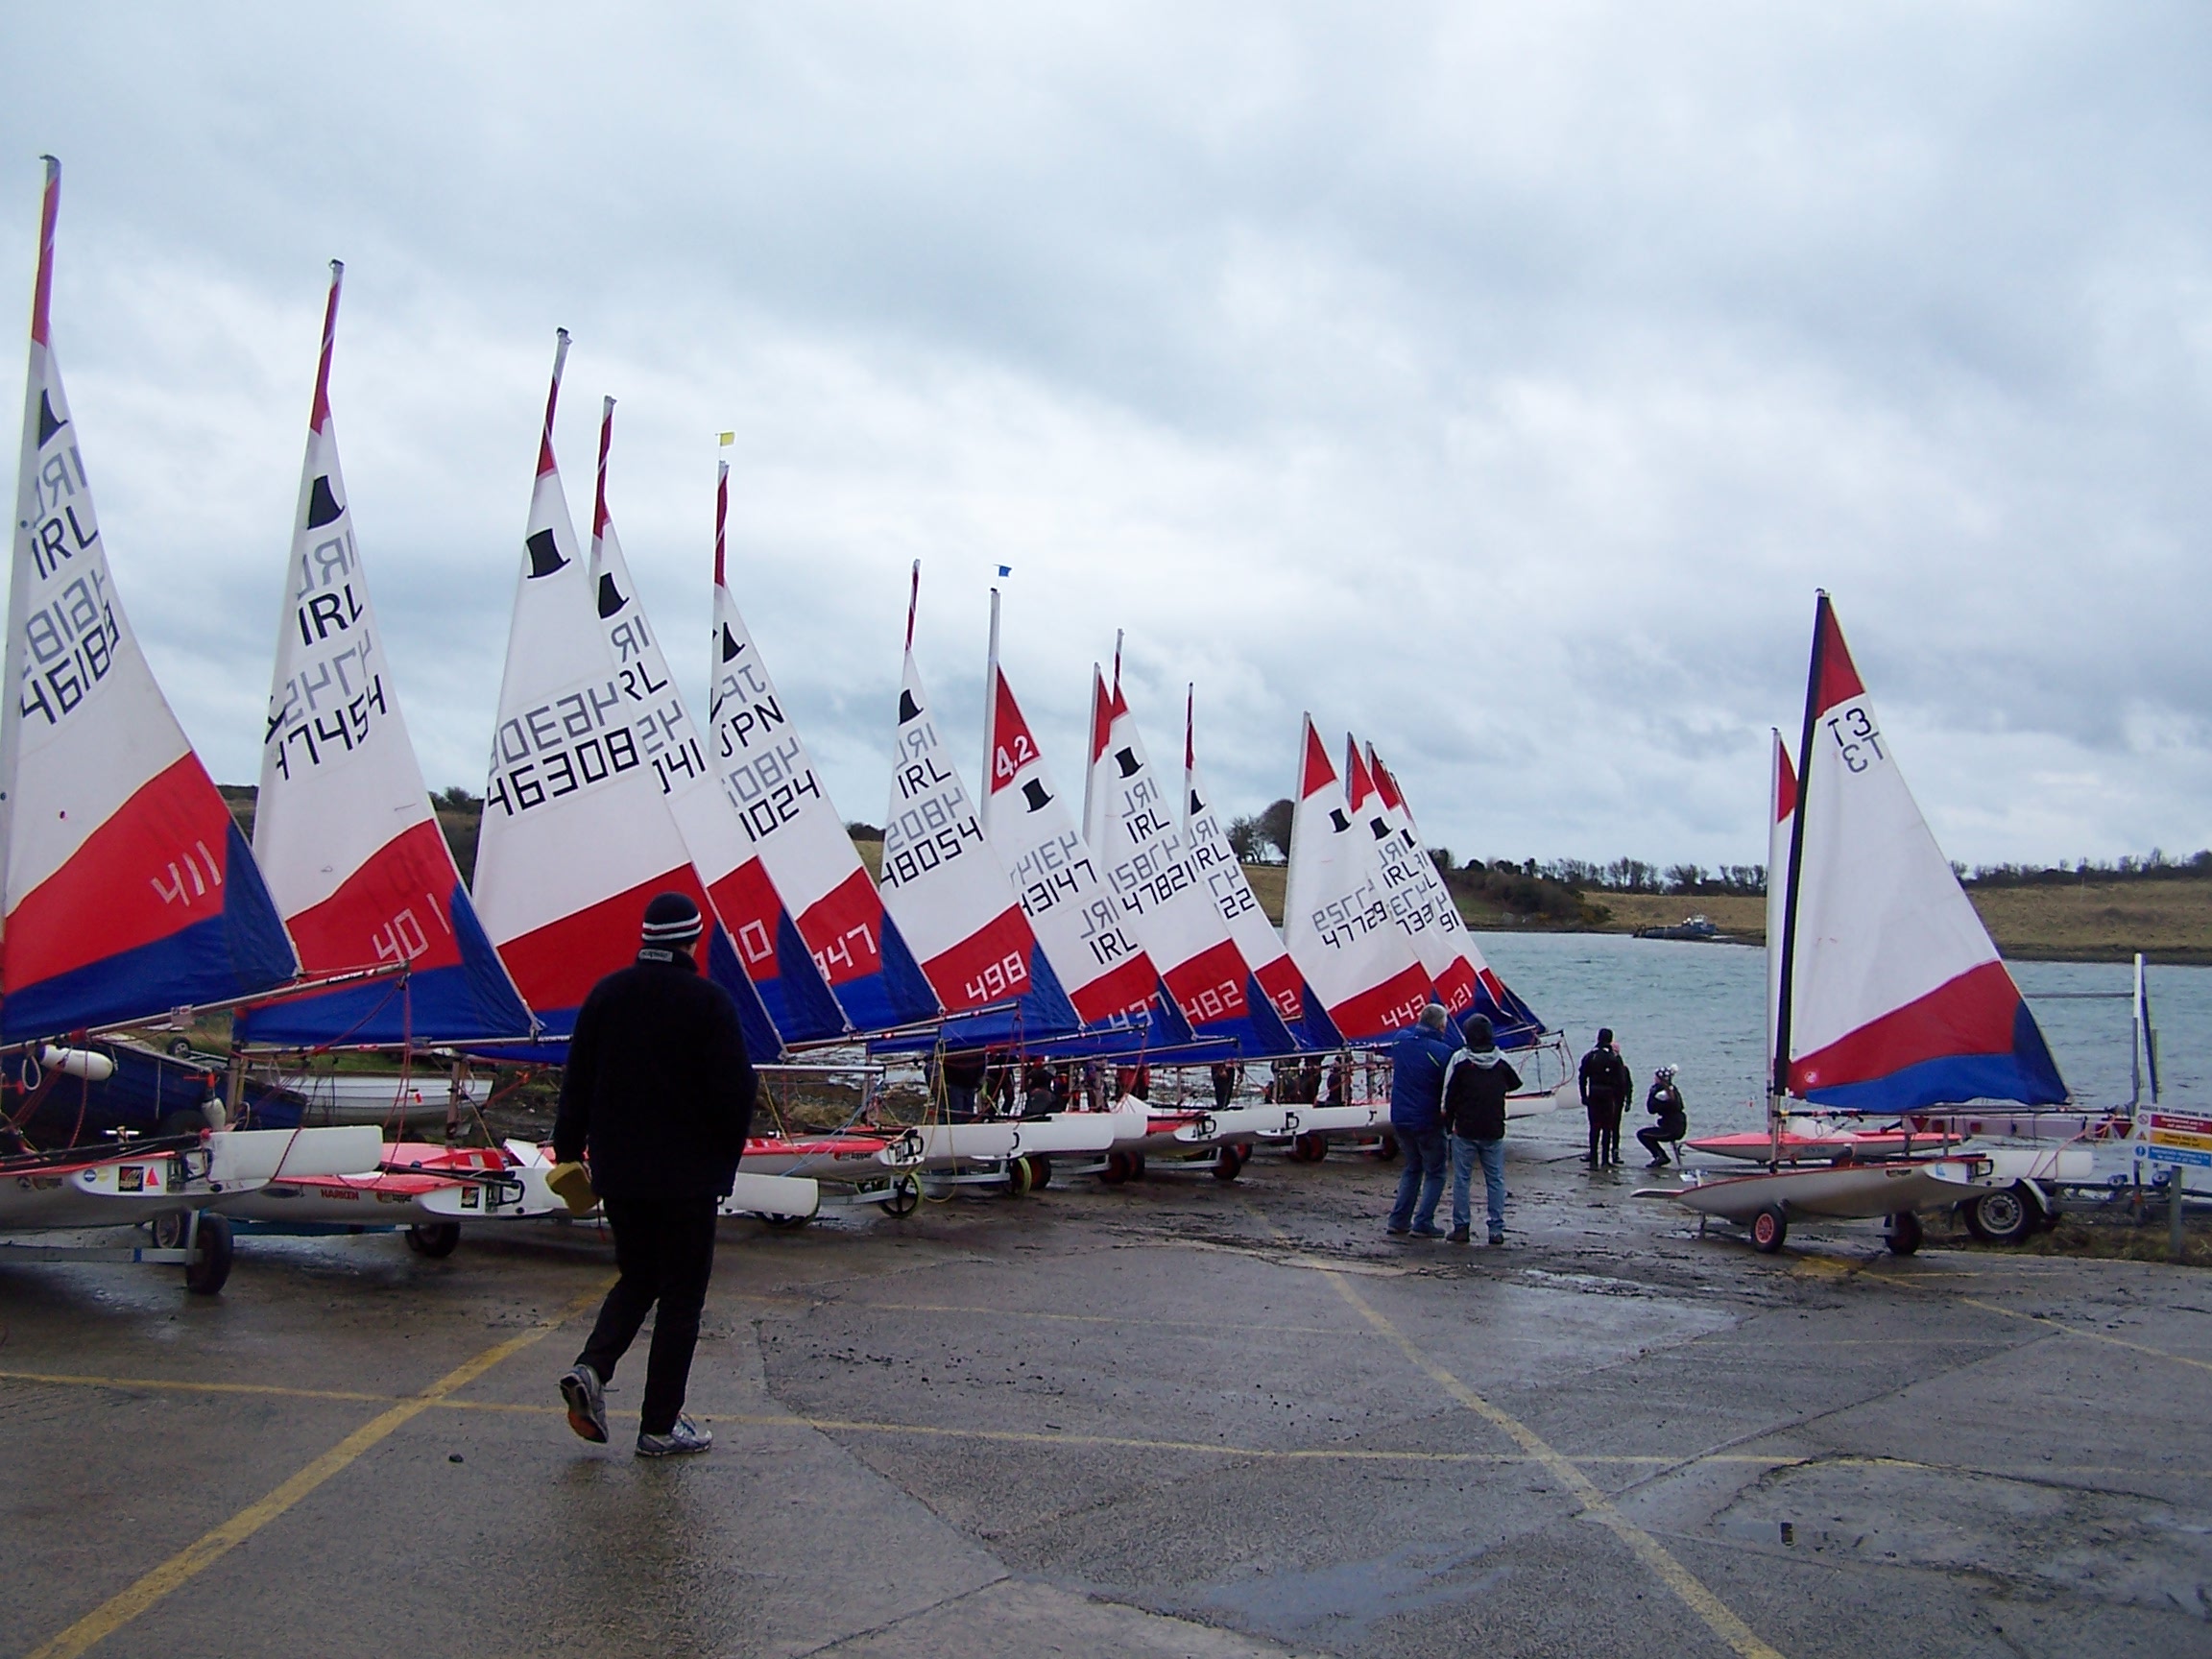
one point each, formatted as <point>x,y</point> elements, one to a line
<point>1778,1076</point>
<point>19,568</point>
<point>991,703</point>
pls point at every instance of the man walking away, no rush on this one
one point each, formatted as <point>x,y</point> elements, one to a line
<point>1665,1103</point>
<point>660,1092</point>
<point>1417,1062</point>
<point>1606,1087</point>
<point>1476,1083</point>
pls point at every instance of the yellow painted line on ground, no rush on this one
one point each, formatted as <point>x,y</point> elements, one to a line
<point>1122,1321</point>
<point>75,1379</point>
<point>1716,1614</point>
<point>204,1552</point>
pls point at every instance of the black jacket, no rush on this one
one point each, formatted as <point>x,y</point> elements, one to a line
<point>657,1086</point>
<point>1665,1102</point>
<point>1605,1079</point>
<point>1474,1091</point>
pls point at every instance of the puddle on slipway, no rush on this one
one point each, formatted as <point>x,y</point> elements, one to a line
<point>1335,1605</point>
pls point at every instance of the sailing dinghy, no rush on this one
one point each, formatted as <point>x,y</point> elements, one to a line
<point>1888,995</point>
<point>129,892</point>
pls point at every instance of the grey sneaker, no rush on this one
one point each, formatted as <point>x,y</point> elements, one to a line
<point>685,1436</point>
<point>587,1399</point>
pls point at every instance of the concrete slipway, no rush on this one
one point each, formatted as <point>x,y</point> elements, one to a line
<point>1175,1418</point>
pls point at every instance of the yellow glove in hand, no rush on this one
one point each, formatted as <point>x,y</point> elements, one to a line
<point>572,1182</point>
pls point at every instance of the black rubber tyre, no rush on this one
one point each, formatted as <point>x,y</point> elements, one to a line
<point>906,1196</point>
<point>1017,1177</point>
<point>1904,1233</point>
<point>1769,1229</point>
<point>1386,1149</point>
<point>205,1276</point>
<point>1308,1149</point>
<point>1119,1168</point>
<point>1137,1159</point>
<point>180,1047</point>
<point>436,1239</point>
<point>2003,1217</point>
<point>1228,1163</point>
<point>1039,1172</point>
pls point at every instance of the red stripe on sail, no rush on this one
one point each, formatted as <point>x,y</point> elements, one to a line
<point>320,416</point>
<point>1012,747</point>
<point>721,519</point>
<point>1211,985</point>
<point>1785,783</point>
<point>1973,1014</point>
<point>398,906</point>
<point>1316,774</point>
<point>49,210</point>
<point>1389,1007</point>
<point>746,902</point>
<point>556,966</point>
<point>1456,986</point>
<point>1101,715</point>
<point>844,929</point>
<point>1385,785</point>
<point>1839,681</point>
<point>1360,784</point>
<point>1279,981</point>
<point>599,484</point>
<point>991,965</point>
<point>155,867</point>
<point>1122,990</point>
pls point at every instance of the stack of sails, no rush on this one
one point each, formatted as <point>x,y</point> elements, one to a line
<point>578,834</point>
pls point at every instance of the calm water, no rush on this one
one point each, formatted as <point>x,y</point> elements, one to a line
<point>1701,1007</point>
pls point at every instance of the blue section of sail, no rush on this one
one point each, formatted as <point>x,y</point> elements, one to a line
<point>241,951</point>
<point>1512,1022</point>
<point>1040,1014</point>
<point>2027,1075</point>
<point>762,1042</point>
<point>1259,1034</point>
<point>797,1001</point>
<point>467,1002</point>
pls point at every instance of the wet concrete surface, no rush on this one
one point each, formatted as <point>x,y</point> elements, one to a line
<point>1180,1418</point>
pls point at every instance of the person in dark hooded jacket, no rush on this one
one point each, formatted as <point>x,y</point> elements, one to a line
<point>1476,1083</point>
<point>660,1092</point>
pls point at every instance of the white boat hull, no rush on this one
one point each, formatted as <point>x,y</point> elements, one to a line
<point>1841,1191</point>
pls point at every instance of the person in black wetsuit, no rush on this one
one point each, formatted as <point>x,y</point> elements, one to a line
<point>1673,1118</point>
<point>1607,1085</point>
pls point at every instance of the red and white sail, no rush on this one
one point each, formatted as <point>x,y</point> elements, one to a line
<point>1780,818</point>
<point>1231,892</point>
<point>945,886</point>
<point>1032,827</point>
<point>578,836</point>
<point>1147,862</point>
<point>1894,996</point>
<point>786,813</point>
<point>745,898</point>
<point>1414,906</point>
<point>1465,981</point>
<point>128,890</point>
<point>1337,919</point>
<point>343,827</point>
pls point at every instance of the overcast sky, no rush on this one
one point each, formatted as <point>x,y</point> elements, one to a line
<point>1498,381</point>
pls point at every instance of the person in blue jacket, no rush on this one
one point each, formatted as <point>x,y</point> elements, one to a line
<point>1417,1062</point>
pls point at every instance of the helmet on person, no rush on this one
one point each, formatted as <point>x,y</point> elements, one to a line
<point>1667,1074</point>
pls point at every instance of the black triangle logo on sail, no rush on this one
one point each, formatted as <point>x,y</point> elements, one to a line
<point>729,643</point>
<point>321,506</point>
<point>908,707</point>
<point>1338,819</point>
<point>1033,792</point>
<point>611,598</point>
<point>48,425</point>
<point>1196,805</point>
<point>1126,759</point>
<point>545,557</point>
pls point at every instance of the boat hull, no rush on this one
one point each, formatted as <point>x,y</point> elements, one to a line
<point>1839,1192</point>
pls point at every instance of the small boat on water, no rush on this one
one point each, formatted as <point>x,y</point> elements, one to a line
<point>1690,927</point>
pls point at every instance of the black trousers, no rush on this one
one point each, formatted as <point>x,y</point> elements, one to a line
<point>1604,1132</point>
<point>1655,1139</point>
<point>665,1249</point>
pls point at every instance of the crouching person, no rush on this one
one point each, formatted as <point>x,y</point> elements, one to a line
<point>658,1091</point>
<point>1475,1084</point>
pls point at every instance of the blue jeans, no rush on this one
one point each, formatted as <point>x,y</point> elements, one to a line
<point>1492,1154</point>
<point>1423,1179</point>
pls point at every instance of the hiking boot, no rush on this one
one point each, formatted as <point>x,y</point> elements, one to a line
<point>1496,1239</point>
<point>1396,1231</point>
<point>685,1436</point>
<point>587,1399</point>
<point>1430,1231</point>
<point>1458,1236</point>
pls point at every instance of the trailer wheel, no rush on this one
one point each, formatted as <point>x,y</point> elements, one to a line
<point>1121,1166</point>
<point>1039,1172</point>
<point>1768,1228</point>
<point>168,1230</point>
<point>1228,1163</point>
<point>205,1275</point>
<point>1386,1149</point>
<point>1905,1233</point>
<point>1018,1178</point>
<point>906,1196</point>
<point>2004,1215</point>
<point>1308,1149</point>
<point>436,1239</point>
<point>1136,1159</point>
<point>787,1223</point>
